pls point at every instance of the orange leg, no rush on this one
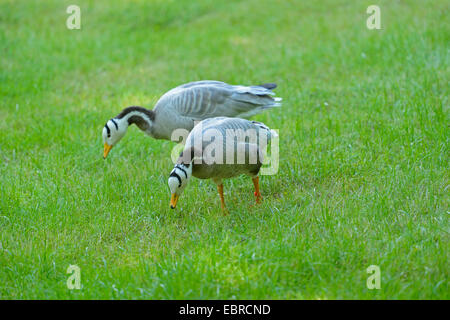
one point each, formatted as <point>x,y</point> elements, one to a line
<point>222,200</point>
<point>257,193</point>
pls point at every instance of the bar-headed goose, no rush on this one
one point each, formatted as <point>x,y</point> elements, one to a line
<point>194,101</point>
<point>220,148</point>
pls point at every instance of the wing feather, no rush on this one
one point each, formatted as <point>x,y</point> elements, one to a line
<point>207,99</point>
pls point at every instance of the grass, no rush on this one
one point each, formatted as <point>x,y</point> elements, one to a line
<point>363,176</point>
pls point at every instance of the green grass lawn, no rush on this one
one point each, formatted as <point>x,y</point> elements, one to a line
<point>364,161</point>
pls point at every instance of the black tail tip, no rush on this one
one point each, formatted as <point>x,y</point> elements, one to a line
<point>269,86</point>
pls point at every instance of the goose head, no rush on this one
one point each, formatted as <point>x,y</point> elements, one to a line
<point>116,128</point>
<point>178,180</point>
<point>113,131</point>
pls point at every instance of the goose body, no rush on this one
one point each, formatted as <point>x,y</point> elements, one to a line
<point>185,105</point>
<point>220,148</point>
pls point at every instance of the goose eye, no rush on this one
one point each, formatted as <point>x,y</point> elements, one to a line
<point>108,131</point>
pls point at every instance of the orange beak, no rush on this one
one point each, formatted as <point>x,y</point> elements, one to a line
<point>106,149</point>
<point>173,200</point>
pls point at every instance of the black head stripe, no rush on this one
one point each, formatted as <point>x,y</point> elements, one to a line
<point>107,130</point>
<point>181,168</point>
<point>174,174</point>
<point>115,123</point>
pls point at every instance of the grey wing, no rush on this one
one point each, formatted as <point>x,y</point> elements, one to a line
<point>225,123</point>
<point>233,135</point>
<point>206,99</point>
<point>244,130</point>
<point>203,83</point>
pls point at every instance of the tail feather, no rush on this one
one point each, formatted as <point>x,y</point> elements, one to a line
<point>271,133</point>
<point>269,86</point>
<point>259,98</point>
